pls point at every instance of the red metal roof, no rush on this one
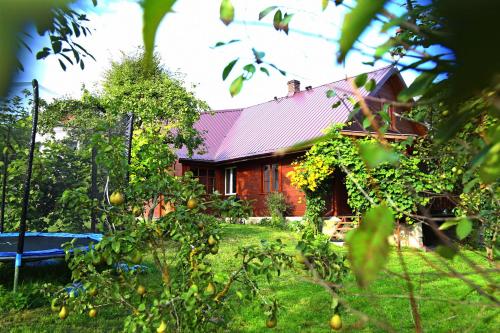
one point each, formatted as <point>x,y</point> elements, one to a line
<point>277,124</point>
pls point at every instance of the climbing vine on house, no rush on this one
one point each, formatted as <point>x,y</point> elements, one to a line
<point>372,175</point>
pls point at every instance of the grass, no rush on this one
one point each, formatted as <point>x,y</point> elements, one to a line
<point>446,304</point>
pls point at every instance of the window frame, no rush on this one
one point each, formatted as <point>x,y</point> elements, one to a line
<point>232,181</point>
<point>206,180</point>
<point>272,179</point>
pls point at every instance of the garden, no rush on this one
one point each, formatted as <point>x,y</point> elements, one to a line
<point>305,305</point>
<point>195,268</point>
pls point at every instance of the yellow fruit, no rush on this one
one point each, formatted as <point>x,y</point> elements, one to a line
<point>93,292</point>
<point>271,322</point>
<point>336,322</point>
<point>211,240</point>
<point>117,198</point>
<point>210,289</point>
<point>63,314</point>
<point>162,328</point>
<point>141,290</point>
<point>53,305</point>
<point>192,203</point>
<point>214,250</point>
<point>92,313</point>
<point>137,211</point>
<point>300,258</point>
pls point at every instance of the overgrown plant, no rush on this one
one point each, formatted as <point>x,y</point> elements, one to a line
<point>231,208</point>
<point>277,206</point>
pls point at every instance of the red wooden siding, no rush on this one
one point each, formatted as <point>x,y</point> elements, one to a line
<point>249,183</point>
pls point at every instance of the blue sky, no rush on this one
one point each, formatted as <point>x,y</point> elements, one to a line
<point>184,42</point>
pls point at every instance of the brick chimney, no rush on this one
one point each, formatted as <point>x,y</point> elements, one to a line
<point>293,87</point>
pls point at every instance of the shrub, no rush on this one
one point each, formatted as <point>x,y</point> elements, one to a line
<point>29,296</point>
<point>277,206</point>
<point>234,209</point>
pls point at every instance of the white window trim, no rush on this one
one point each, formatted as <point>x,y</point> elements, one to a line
<point>231,180</point>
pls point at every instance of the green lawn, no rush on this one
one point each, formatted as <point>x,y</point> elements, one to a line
<point>305,305</point>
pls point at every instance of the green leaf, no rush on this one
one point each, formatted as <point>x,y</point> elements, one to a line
<point>385,116</point>
<point>445,251</point>
<point>63,66</point>
<point>250,68</point>
<point>489,171</point>
<point>219,44</point>
<point>418,87</point>
<point>330,93</point>
<point>264,70</point>
<point>56,46</point>
<point>336,105</point>
<point>116,246</point>
<point>360,80</point>
<point>282,72</point>
<point>258,55</point>
<point>228,69</point>
<point>370,85</point>
<point>286,19</point>
<point>368,245</point>
<point>464,228</point>
<point>383,49</point>
<point>236,86</point>
<point>226,12</point>
<point>356,22</point>
<point>324,4</point>
<point>448,224</point>
<point>374,154</point>
<point>277,19</point>
<point>42,54</point>
<point>394,22</point>
<point>153,13</point>
<point>366,123</point>
<point>266,11</point>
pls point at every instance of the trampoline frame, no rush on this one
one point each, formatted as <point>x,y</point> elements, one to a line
<point>51,253</point>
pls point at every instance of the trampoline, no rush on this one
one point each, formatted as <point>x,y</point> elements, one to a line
<point>43,245</point>
<point>37,246</point>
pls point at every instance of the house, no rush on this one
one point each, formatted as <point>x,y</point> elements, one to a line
<point>239,156</point>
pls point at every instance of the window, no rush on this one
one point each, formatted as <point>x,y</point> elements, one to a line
<point>231,180</point>
<point>206,177</point>
<point>270,178</point>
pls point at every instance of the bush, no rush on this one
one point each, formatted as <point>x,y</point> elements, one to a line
<point>277,207</point>
<point>27,297</point>
<point>234,209</point>
<point>296,225</point>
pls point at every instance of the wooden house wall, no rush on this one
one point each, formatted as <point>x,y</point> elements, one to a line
<point>249,185</point>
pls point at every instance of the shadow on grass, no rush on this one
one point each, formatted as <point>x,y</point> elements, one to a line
<point>56,272</point>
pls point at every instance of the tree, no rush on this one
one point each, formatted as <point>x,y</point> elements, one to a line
<point>191,297</point>
<point>55,18</point>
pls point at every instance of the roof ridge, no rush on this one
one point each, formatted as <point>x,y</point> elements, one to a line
<point>276,99</point>
<point>222,111</point>
<point>352,76</point>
